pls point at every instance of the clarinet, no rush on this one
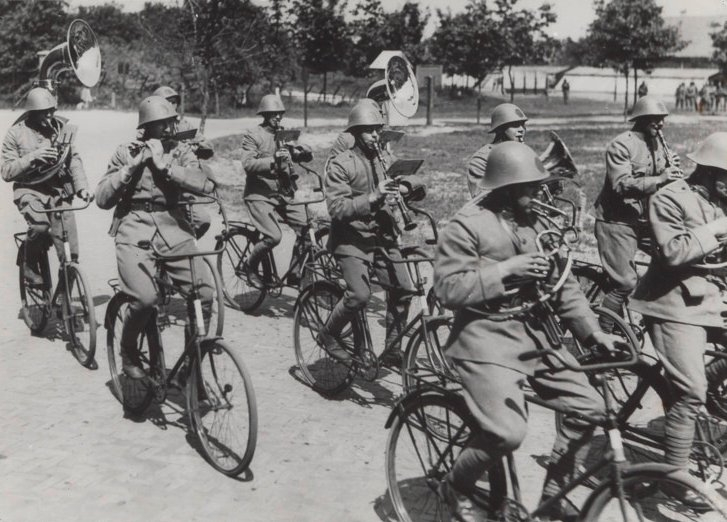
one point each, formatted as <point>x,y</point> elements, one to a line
<point>286,177</point>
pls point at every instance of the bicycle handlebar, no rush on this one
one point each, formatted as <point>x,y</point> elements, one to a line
<point>432,224</point>
<point>319,188</point>
<point>592,367</point>
<point>149,245</point>
<point>59,209</point>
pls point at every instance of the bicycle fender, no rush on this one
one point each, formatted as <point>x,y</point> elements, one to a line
<point>404,401</point>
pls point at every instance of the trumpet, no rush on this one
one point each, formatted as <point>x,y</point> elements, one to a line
<point>397,203</point>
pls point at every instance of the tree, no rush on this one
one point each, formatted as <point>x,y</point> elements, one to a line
<point>321,34</point>
<point>481,39</point>
<point>719,42</point>
<point>629,35</point>
<point>26,27</point>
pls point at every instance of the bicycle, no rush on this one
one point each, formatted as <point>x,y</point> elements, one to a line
<point>71,298</point>
<point>220,398</point>
<point>329,376</point>
<point>430,426</point>
<point>240,290</point>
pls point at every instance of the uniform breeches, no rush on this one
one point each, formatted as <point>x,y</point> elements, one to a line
<point>263,217</point>
<point>42,227</point>
<point>393,277</point>
<point>137,268</point>
<point>681,350</point>
<point>617,246</point>
<point>495,397</point>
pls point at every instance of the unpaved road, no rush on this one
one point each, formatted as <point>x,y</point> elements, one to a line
<point>67,452</point>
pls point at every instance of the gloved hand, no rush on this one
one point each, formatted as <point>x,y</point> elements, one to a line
<point>301,153</point>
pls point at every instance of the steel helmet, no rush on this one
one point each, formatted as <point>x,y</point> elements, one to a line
<point>40,99</point>
<point>511,163</point>
<point>712,152</point>
<point>155,108</point>
<point>270,103</point>
<point>377,91</point>
<point>165,92</point>
<point>365,112</point>
<point>648,106</point>
<point>506,113</point>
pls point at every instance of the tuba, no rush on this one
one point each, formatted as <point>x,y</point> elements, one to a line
<point>81,54</point>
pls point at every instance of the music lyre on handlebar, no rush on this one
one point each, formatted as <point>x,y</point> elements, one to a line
<point>398,203</point>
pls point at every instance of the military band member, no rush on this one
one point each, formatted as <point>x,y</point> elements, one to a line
<point>356,190</point>
<point>378,94</point>
<point>28,145</point>
<point>507,123</point>
<point>144,183</point>
<point>679,301</point>
<point>636,167</point>
<point>263,196</point>
<point>482,250</point>
<point>199,216</point>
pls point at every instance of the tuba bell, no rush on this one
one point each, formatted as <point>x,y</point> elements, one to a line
<point>81,54</point>
<point>557,158</point>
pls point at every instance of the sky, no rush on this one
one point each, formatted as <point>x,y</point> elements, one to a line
<point>573,15</point>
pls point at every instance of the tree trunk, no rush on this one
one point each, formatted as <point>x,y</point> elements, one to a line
<point>636,75</point>
<point>626,93</point>
<point>512,82</point>
<point>325,84</point>
<point>205,98</point>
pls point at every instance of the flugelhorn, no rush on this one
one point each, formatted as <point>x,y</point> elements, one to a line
<point>397,204</point>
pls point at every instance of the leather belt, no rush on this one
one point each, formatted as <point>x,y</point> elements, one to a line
<point>149,206</point>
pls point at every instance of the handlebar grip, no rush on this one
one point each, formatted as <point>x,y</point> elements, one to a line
<point>529,356</point>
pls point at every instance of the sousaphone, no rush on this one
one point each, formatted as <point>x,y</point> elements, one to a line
<point>402,86</point>
<point>81,54</point>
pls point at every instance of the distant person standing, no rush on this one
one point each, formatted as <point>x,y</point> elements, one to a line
<point>566,91</point>
<point>681,94</point>
<point>691,97</point>
<point>703,98</point>
<point>643,89</point>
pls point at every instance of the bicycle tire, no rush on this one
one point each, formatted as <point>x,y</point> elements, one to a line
<point>424,358</point>
<point>222,408</point>
<point>591,279</point>
<point>135,395</point>
<point>322,372</point>
<point>649,495</point>
<point>425,438</point>
<point>239,293</point>
<point>80,319</point>
<point>35,300</point>
<point>217,311</point>
<point>320,266</point>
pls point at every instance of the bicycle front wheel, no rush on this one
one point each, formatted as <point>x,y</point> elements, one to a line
<point>35,300</point>
<point>654,492</point>
<point>325,374</point>
<point>424,357</point>
<point>134,394</point>
<point>425,439</point>
<point>239,293</point>
<point>80,317</point>
<point>222,408</point>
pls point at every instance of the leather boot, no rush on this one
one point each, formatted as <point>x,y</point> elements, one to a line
<point>251,264</point>
<point>296,267</point>
<point>329,336</point>
<point>131,362</point>
<point>33,249</point>
<point>396,315</point>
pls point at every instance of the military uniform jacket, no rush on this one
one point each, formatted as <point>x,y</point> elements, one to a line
<point>19,142</point>
<point>631,170</point>
<point>467,275</point>
<point>356,226</point>
<point>343,142</point>
<point>672,287</point>
<point>258,148</point>
<point>476,169</point>
<point>149,185</point>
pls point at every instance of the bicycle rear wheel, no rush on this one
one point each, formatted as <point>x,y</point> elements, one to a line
<point>238,291</point>
<point>134,394</point>
<point>425,438</point>
<point>424,356</point>
<point>35,300</point>
<point>222,408</point>
<point>80,317</point>
<point>652,492</point>
<point>322,372</point>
